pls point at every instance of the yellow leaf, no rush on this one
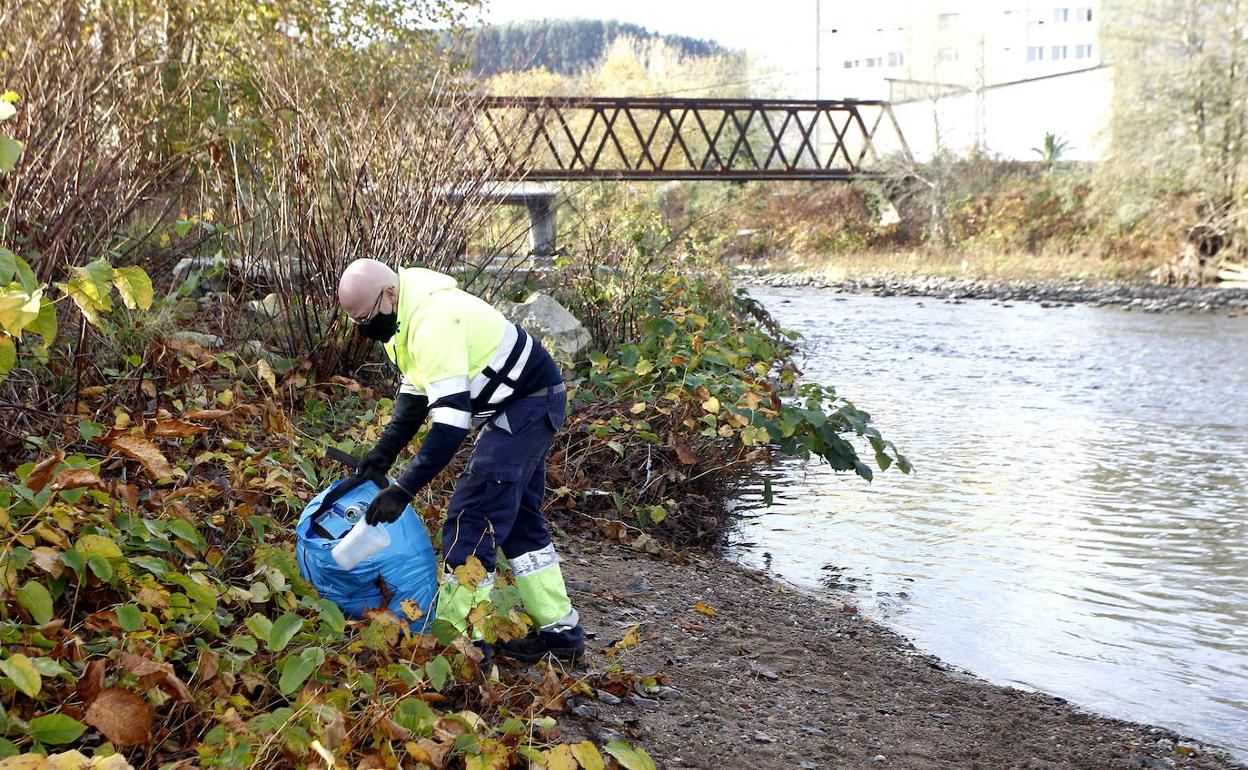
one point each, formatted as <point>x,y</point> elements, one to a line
<point>470,573</point>
<point>266,374</point>
<point>561,758</point>
<point>638,407</point>
<point>643,367</point>
<point>711,405</point>
<point>587,754</point>
<point>134,287</point>
<point>631,639</point>
<point>18,309</point>
<point>121,420</point>
<point>8,356</point>
<point>705,609</point>
<point>411,609</point>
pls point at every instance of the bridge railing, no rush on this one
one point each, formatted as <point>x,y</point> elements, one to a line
<point>542,138</point>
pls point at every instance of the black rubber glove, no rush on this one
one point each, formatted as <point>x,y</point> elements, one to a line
<point>388,505</point>
<point>409,412</point>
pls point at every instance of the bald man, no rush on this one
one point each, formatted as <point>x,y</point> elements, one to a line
<point>463,363</point>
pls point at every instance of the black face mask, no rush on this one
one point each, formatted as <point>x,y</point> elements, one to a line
<point>381,327</point>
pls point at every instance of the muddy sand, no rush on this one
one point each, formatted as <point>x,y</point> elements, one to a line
<point>781,679</point>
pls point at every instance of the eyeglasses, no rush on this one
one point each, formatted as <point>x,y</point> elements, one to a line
<point>371,313</point>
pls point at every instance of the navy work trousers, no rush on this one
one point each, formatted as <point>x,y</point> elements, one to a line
<point>498,499</point>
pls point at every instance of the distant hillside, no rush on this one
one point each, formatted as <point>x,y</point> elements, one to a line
<point>565,46</point>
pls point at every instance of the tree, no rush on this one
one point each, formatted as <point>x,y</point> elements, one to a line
<point>1180,109</point>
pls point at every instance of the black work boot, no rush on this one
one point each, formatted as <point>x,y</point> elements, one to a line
<point>567,646</point>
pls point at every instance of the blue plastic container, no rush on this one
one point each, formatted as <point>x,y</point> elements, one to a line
<point>408,568</point>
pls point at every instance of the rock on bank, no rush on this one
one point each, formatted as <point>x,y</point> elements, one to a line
<point>779,679</point>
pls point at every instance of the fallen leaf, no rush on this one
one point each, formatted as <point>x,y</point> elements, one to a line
<point>76,478</point>
<point>151,673</point>
<point>411,609</point>
<point>39,475</point>
<point>470,573</point>
<point>684,453</point>
<point>631,639</point>
<point>176,428</point>
<point>705,609</point>
<point>690,626</point>
<point>393,730</point>
<point>92,680</point>
<point>711,405</point>
<point>561,758</point>
<point>122,716</point>
<point>146,453</point>
<point>265,372</point>
<point>638,407</point>
<point>48,560</point>
<point>211,415</point>
<point>207,666</point>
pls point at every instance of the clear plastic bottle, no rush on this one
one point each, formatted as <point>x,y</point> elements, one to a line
<point>361,542</point>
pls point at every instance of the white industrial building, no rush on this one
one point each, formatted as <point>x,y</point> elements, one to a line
<point>974,74</point>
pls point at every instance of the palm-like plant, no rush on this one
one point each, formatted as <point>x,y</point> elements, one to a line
<point>1052,150</point>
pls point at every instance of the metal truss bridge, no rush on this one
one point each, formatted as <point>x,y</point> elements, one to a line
<point>543,138</point>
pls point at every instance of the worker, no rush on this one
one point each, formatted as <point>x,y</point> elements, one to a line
<point>462,363</point>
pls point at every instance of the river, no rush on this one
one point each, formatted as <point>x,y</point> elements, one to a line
<point>1078,519</point>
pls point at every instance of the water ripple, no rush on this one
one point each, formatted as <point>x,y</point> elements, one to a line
<point>1078,521</point>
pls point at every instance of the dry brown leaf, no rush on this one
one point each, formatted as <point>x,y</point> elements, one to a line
<point>102,621</point>
<point>48,560</point>
<point>127,492</point>
<point>123,717</point>
<point>92,680</point>
<point>428,752</point>
<point>146,453</point>
<point>76,478</point>
<point>91,392</point>
<point>211,415</point>
<point>690,626</point>
<point>39,475</point>
<point>208,665</point>
<point>393,730</point>
<point>232,720</point>
<point>371,761</point>
<point>153,674</point>
<point>176,428</point>
<point>684,453</point>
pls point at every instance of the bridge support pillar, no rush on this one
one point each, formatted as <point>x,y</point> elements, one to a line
<point>541,225</point>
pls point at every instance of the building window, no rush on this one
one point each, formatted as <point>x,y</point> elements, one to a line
<point>1061,14</point>
<point>1057,52</point>
<point>896,59</point>
<point>947,20</point>
<point>947,55</point>
<point>1083,51</point>
<point>851,63</point>
<point>1035,53</point>
<point>874,61</point>
<point>1083,14</point>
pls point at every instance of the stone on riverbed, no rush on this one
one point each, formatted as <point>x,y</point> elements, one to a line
<point>564,336</point>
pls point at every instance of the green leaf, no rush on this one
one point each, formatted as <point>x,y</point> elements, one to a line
<point>8,265</point>
<point>629,758</point>
<point>134,286</point>
<point>331,616</point>
<point>8,355</point>
<point>100,566</point>
<point>184,530</point>
<point>129,617</point>
<point>8,748</point>
<point>45,324</point>
<point>18,308</point>
<point>36,600</point>
<point>56,728</point>
<point>22,671</point>
<point>438,670</point>
<point>260,626</point>
<point>284,629</point>
<point>295,671</point>
<point>10,151</point>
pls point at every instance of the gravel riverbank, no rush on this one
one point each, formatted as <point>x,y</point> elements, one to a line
<point>1145,298</point>
<point>780,679</point>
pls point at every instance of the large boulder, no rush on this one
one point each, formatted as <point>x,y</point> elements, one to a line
<point>566,338</point>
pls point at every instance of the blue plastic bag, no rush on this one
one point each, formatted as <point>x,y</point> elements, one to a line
<point>408,567</point>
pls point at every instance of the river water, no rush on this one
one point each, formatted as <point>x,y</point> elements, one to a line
<point>1078,519</point>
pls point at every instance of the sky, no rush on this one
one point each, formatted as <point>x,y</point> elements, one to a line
<point>782,36</point>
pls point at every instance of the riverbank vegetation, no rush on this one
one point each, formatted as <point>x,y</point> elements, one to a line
<point>180,190</point>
